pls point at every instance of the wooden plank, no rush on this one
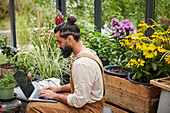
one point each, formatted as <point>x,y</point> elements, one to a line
<point>115,109</point>
<point>138,89</point>
<point>130,101</point>
<point>162,83</point>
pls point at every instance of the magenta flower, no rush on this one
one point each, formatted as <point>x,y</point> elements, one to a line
<point>112,28</point>
<point>116,34</point>
<point>114,22</point>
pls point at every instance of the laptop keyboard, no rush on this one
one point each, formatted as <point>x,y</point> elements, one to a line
<point>37,91</point>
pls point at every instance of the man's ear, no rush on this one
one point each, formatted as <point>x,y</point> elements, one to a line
<point>70,38</point>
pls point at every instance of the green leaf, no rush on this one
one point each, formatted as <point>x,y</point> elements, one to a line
<point>159,72</point>
<point>134,77</point>
<point>154,66</point>
<point>146,72</point>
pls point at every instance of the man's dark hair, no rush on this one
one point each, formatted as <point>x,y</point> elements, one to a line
<point>68,28</point>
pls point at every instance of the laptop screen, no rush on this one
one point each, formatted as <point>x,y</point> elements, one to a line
<point>24,83</point>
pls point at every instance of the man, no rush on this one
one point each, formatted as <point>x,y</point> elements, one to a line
<point>86,77</point>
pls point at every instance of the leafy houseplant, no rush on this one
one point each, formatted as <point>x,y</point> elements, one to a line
<point>9,51</point>
<point>7,85</point>
<point>96,41</point>
<point>150,57</point>
<point>120,55</point>
<point>44,60</point>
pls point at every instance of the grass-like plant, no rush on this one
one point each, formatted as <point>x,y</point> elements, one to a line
<point>44,60</point>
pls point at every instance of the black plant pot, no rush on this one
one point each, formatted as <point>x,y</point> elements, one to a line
<point>108,68</point>
<point>130,79</point>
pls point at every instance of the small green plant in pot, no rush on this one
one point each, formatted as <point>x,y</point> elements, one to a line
<point>7,85</point>
<point>150,56</point>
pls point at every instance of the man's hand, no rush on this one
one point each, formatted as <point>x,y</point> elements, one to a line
<point>47,93</point>
<point>52,88</point>
<point>52,95</point>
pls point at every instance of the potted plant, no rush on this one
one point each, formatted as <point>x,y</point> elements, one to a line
<point>120,55</point>
<point>9,51</point>
<point>150,56</point>
<point>7,85</point>
<point>127,94</point>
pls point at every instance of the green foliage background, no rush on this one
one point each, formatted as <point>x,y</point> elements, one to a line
<point>31,14</point>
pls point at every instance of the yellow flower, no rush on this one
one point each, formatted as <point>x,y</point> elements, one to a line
<point>140,30</point>
<point>131,47</point>
<point>149,52</point>
<point>139,38</point>
<point>168,31</point>
<point>144,26</point>
<point>122,44</point>
<point>154,25</point>
<point>141,24</point>
<point>131,62</point>
<point>140,45</point>
<point>130,36</point>
<point>139,63</point>
<point>161,49</point>
<point>160,32</point>
<point>156,51</point>
<point>167,58</point>
<point>128,42</point>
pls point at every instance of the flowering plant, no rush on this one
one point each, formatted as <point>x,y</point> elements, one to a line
<point>150,57</point>
<point>119,57</point>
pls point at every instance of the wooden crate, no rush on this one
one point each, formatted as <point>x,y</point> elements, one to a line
<point>163,83</point>
<point>134,97</point>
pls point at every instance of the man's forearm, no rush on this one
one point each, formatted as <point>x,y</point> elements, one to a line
<point>62,98</point>
<point>65,88</point>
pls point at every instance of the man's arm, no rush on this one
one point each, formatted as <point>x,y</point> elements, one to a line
<point>64,88</point>
<point>52,95</point>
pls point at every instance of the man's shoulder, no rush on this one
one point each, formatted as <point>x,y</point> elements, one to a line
<point>86,58</point>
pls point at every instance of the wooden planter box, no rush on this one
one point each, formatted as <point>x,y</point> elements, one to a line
<point>134,97</point>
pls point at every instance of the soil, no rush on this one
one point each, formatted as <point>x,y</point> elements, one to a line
<point>119,71</point>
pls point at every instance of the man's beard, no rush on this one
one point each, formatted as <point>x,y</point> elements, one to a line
<point>66,52</point>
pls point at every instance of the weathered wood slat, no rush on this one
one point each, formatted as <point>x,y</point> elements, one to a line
<point>138,89</point>
<point>162,83</point>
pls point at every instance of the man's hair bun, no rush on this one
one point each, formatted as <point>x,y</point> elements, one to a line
<point>71,20</point>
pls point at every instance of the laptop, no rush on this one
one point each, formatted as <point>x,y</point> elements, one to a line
<point>30,92</point>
